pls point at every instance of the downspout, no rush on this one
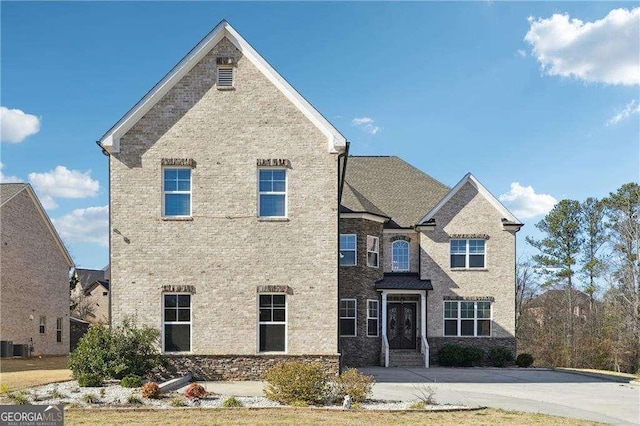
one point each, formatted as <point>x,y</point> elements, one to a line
<point>342,167</point>
<point>105,152</point>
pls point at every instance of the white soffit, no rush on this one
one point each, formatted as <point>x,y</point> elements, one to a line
<point>111,140</point>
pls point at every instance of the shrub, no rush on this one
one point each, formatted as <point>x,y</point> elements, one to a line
<point>524,360</point>
<point>90,380</point>
<point>195,390</point>
<point>232,402</point>
<point>150,390</point>
<point>131,382</point>
<point>356,385</point>
<point>124,350</point>
<point>90,398</point>
<point>56,394</point>
<point>418,405</point>
<point>4,389</point>
<point>297,381</point>
<point>452,355</point>
<point>426,395</point>
<point>134,400</point>
<point>500,356</point>
<point>177,402</point>
<point>19,398</point>
<point>298,404</point>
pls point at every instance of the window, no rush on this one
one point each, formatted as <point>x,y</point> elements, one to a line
<point>59,330</point>
<point>348,317</point>
<point>348,244</point>
<point>272,188</point>
<point>176,192</point>
<point>373,250</point>
<point>225,76</point>
<point>400,256</point>
<point>177,322</point>
<point>467,253</point>
<point>372,318</point>
<point>467,318</point>
<point>105,293</point>
<point>43,323</point>
<point>272,322</point>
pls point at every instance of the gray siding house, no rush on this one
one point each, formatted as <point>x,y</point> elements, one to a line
<point>241,228</point>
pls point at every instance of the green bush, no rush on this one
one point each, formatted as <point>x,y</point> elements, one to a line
<point>356,385</point>
<point>150,390</point>
<point>134,400</point>
<point>90,398</point>
<point>131,382</point>
<point>123,351</point>
<point>297,381</point>
<point>500,356</point>
<point>524,360</point>
<point>232,402</point>
<point>452,355</point>
<point>89,380</point>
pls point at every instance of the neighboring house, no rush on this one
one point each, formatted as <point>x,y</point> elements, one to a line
<point>227,231</point>
<point>34,283</point>
<point>91,295</point>
<point>553,304</point>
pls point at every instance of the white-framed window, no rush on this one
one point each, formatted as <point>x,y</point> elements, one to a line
<point>272,193</point>
<point>400,256</point>
<point>43,324</point>
<point>373,251</point>
<point>467,253</point>
<point>467,318</point>
<point>272,323</point>
<point>372,318</point>
<point>176,322</point>
<point>348,320</point>
<point>225,76</point>
<point>348,249</point>
<point>176,192</point>
<point>59,330</point>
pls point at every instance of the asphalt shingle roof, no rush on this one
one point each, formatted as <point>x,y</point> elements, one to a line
<point>8,190</point>
<point>403,281</point>
<point>391,187</point>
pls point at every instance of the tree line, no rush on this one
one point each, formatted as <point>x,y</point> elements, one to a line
<point>578,297</point>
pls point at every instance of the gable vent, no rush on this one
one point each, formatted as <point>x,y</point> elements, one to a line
<point>225,77</point>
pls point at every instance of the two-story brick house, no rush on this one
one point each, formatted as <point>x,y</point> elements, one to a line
<point>227,232</point>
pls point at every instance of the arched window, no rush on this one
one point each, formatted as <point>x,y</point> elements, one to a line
<point>400,256</point>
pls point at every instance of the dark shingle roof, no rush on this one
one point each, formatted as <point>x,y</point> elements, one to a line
<point>403,281</point>
<point>86,277</point>
<point>8,190</point>
<point>389,186</point>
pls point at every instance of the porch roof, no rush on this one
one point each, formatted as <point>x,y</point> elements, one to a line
<point>403,281</point>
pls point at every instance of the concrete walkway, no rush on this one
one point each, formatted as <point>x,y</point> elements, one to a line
<point>532,390</point>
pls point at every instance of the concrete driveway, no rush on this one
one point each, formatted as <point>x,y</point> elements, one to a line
<point>533,390</point>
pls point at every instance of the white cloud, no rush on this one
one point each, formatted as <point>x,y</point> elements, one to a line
<point>63,183</point>
<point>366,124</point>
<point>632,107</point>
<point>90,225</point>
<point>16,126</point>
<point>8,179</point>
<point>521,53</point>
<point>605,51</point>
<point>525,203</point>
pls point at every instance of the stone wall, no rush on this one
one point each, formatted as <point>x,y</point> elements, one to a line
<point>241,367</point>
<point>484,343</point>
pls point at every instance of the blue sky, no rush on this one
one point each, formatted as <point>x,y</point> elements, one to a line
<point>512,92</point>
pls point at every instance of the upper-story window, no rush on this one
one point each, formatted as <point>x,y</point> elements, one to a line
<point>467,253</point>
<point>373,251</point>
<point>400,256</point>
<point>272,188</point>
<point>348,244</point>
<point>176,188</point>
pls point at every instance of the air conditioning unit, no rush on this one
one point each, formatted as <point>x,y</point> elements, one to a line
<point>6,348</point>
<point>21,351</point>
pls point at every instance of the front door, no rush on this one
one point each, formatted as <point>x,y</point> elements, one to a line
<point>401,325</point>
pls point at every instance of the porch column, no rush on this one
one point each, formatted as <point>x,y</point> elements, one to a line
<point>423,314</point>
<point>385,342</point>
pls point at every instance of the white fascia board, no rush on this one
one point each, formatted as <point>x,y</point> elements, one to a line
<point>111,140</point>
<point>399,231</point>
<point>469,178</point>
<point>367,216</point>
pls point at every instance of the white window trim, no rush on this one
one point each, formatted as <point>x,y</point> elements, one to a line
<point>408,256</point>
<point>59,321</point>
<point>233,77</point>
<point>354,318</point>
<point>467,254</point>
<point>190,323</point>
<point>285,322</point>
<point>377,318</point>
<point>355,250</point>
<point>190,192</point>
<point>377,252</point>
<point>475,319</point>
<point>285,193</point>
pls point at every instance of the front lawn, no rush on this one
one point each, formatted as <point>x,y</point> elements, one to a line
<point>19,373</point>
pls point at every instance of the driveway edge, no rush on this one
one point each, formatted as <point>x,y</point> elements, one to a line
<point>604,376</point>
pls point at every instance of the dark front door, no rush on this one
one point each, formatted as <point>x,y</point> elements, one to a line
<point>401,325</point>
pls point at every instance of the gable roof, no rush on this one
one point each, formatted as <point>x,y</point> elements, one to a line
<point>87,277</point>
<point>469,178</point>
<point>111,140</point>
<point>389,186</point>
<point>9,190</point>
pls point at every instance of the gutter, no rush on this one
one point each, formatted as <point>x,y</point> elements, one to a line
<point>340,177</point>
<point>106,153</point>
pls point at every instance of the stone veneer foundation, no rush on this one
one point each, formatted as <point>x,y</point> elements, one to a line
<point>237,367</point>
